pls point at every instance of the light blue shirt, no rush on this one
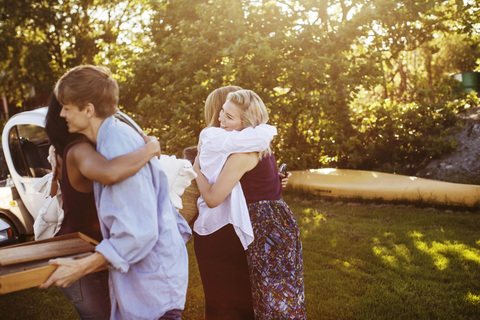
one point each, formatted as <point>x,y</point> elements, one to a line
<point>144,235</point>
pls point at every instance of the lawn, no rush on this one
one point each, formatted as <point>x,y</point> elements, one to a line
<point>361,261</point>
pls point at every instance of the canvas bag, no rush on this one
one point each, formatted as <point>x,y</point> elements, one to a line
<point>50,216</point>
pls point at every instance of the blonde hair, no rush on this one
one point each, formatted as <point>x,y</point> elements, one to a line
<point>214,103</point>
<point>89,84</point>
<point>253,111</point>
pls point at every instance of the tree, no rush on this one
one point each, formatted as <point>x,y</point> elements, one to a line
<point>43,39</point>
<point>350,84</point>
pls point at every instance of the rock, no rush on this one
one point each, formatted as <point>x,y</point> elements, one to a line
<point>462,165</point>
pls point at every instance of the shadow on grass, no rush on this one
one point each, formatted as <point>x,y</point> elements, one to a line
<point>361,261</point>
<point>367,261</point>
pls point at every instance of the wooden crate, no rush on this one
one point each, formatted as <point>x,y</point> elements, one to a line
<point>26,265</point>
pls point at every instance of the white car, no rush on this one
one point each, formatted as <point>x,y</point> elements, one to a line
<point>25,146</point>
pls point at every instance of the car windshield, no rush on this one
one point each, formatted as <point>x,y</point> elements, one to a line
<point>29,149</point>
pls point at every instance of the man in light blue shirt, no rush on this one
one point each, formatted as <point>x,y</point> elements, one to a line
<point>144,235</point>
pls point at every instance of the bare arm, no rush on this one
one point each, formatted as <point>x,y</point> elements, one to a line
<point>235,167</point>
<point>57,174</point>
<point>96,167</point>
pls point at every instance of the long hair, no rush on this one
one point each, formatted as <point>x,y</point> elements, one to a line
<point>214,104</point>
<point>56,127</point>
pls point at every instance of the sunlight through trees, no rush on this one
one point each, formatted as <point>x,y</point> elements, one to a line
<point>349,84</point>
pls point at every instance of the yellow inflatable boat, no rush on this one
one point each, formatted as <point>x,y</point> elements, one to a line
<point>345,183</point>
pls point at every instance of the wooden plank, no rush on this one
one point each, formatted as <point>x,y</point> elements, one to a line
<point>26,265</point>
<point>9,256</point>
<point>28,275</point>
<point>74,235</point>
<point>30,265</point>
<point>32,246</point>
<point>25,279</point>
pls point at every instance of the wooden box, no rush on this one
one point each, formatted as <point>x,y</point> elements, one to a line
<point>26,265</point>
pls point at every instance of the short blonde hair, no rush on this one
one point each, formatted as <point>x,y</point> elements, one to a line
<point>253,110</point>
<point>89,84</point>
<point>214,104</point>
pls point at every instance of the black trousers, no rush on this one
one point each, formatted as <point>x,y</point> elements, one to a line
<point>224,271</point>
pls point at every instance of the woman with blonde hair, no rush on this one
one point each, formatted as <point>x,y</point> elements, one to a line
<point>214,103</point>
<point>275,260</point>
<point>222,232</point>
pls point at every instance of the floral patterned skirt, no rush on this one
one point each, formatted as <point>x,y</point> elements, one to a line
<point>275,262</point>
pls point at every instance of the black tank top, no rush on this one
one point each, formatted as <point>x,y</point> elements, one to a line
<point>80,212</point>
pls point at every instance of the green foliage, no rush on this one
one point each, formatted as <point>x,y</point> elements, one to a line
<point>41,40</point>
<point>308,72</point>
<point>401,137</point>
<point>361,84</point>
<point>33,55</point>
<point>459,53</point>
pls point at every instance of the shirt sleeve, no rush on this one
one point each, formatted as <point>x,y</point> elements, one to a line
<point>250,139</point>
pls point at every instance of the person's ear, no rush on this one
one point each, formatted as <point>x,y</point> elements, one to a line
<point>90,110</point>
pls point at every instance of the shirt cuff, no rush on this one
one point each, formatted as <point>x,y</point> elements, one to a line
<point>109,252</point>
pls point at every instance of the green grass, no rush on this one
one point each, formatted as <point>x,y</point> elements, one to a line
<point>361,261</point>
<point>389,262</point>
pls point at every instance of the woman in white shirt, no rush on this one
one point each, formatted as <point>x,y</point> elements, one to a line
<point>275,257</point>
